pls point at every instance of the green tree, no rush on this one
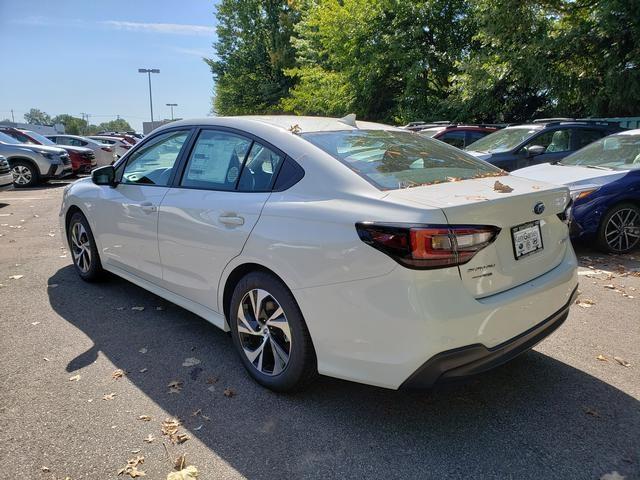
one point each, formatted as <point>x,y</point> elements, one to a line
<point>252,50</point>
<point>72,125</point>
<point>119,125</point>
<point>37,117</point>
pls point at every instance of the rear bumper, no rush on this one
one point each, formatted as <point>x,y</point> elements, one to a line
<point>473,359</point>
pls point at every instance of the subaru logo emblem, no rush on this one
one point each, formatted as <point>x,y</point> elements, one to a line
<point>538,208</point>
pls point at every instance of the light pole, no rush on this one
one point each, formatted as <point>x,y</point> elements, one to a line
<point>172,105</point>
<point>149,71</point>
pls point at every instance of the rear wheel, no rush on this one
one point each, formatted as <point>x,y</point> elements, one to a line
<point>83,249</point>
<point>270,334</point>
<point>24,174</point>
<point>619,231</point>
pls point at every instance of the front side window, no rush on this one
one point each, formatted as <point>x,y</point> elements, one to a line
<point>616,152</point>
<point>153,163</point>
<point>391,159</point>
<point>258,172</point>
<point>503,140</point>
<point>216,161</point>
<point>554,141</point>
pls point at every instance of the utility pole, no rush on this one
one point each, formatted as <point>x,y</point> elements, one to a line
<point>172,105</point>
<point>12,118</point>
<point>149,71</point>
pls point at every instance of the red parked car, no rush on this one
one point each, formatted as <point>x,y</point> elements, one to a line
<point>83,160</point>
<point>460,136</point>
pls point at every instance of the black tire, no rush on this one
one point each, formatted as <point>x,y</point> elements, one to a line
<point>607,229</point>
<point>25,173</point>
<point>94,271</point>
<point>301,368</point>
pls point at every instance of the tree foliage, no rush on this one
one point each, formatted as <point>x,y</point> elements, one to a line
<point>400,60</point>
<point>72,125</point>
<point>37,117</point>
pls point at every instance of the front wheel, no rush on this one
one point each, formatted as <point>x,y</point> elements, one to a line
<point>619,231</point>
<point>24,174</point>
<point>270,334</point>
<point>83,249</point>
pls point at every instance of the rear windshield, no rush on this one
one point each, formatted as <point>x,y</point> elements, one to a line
<point>390,159</point>
<point>617,152</point>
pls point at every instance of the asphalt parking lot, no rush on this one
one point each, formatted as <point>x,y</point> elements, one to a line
<point>569,409</point>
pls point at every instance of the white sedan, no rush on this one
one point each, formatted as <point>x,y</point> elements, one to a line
<point>105,154</point>
<point>118,144</point>
<point>330,246</point>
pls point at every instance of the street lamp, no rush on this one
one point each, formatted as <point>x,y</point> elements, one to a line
<point>149,71</point>
<point>172,105</point>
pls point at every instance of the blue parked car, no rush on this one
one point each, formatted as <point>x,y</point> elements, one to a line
<point>543,141</point>
<point>604,179</point>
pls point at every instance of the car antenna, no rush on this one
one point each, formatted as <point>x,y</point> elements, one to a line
<point>349,120</point>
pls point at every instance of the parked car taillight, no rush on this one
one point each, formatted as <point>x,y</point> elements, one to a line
<point>126,147</point>
<point>427,246</point>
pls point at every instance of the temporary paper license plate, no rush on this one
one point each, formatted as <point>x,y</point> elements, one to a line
<point>527,239</point>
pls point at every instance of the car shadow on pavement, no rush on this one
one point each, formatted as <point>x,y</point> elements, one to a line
<point>533,418</point>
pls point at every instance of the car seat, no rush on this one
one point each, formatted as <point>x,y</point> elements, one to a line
<point>559,142</point>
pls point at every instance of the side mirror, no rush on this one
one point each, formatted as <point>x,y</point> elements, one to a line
<point>534,150</point>
<point>104,176</point>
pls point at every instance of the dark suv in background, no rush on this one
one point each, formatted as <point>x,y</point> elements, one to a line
<point>460,136</point>
<point>543,141</point>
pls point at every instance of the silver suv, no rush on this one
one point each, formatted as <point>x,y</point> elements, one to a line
<point>32,164</point>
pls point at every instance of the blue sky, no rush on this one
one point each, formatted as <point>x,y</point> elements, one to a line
<point>73,56</point>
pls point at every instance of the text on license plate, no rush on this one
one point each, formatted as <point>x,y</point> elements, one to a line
<point>527,239</point>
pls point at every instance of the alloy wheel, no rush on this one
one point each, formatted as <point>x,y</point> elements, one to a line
<point>21,175</point>
<point>81,247</point>
<point>265,334</point>
<point>622,231</point>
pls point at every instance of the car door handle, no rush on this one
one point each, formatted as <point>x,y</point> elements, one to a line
<point>148,207</point>
<point>231,220</point>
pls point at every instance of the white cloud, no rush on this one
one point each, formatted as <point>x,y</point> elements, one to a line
<point>197,52</point>
<point>168,28</point>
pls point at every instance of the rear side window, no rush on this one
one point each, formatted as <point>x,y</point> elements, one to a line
<point>586,136</point>
<point>392,159</point>
<point>453,138</point>
<point>260,169</point>
<point>473,136</point>
<point>215,161</point>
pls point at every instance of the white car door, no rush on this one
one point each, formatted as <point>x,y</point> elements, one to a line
<point>126,217</point>
<point>206,218</point>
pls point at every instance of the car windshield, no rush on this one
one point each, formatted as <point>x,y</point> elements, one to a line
<point>616,152</point>
<point>40,138</point>
<point>4,138</point>
<point>391,159</point>
<point>502,140</point>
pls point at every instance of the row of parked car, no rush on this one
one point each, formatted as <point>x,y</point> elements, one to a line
<point>599,162</point>
<point>28,158</point>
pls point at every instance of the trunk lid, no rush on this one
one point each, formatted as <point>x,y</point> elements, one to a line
<point>476,202</point>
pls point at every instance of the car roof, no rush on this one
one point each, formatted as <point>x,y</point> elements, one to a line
<point>299,124</point>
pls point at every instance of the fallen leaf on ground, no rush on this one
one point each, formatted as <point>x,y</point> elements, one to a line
<point>75,378</point>
<point>136,451</point>
<point>45,469</point>
<point>190,362</point>
<point>198,427</point>
<point>212,380</point>
<point>16,277</point>
<point>144,418</point>
<point>179,462</point>
<point>612,476</point>
<point>188,473</point>
<point>119,373</point>
<point>159,308</point>
<point>52,234</point>
<point>137,309</point>
<point>143,350</point>
<point>175,386</point>
<point>131,468</point>
<point>35,323</point>
<point>610,287</point>
<point>142,370</point>
<point>197,412</point>
<point>591,411</point>
<point>622,361</point>
<point>602,358</point>
<point>585,303</point>
<point>501,187</point>
<point>109,396</point>
<point>170,428</point>
<point>229,392</point>
<point>150,438</point>
<point>52,285</point>
<point>181,437</point>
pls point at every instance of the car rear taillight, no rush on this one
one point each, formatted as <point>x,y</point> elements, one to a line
<point>106,149</point>
<point>126,147</point>
<point>565,215</point>
<point>427,246</point>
